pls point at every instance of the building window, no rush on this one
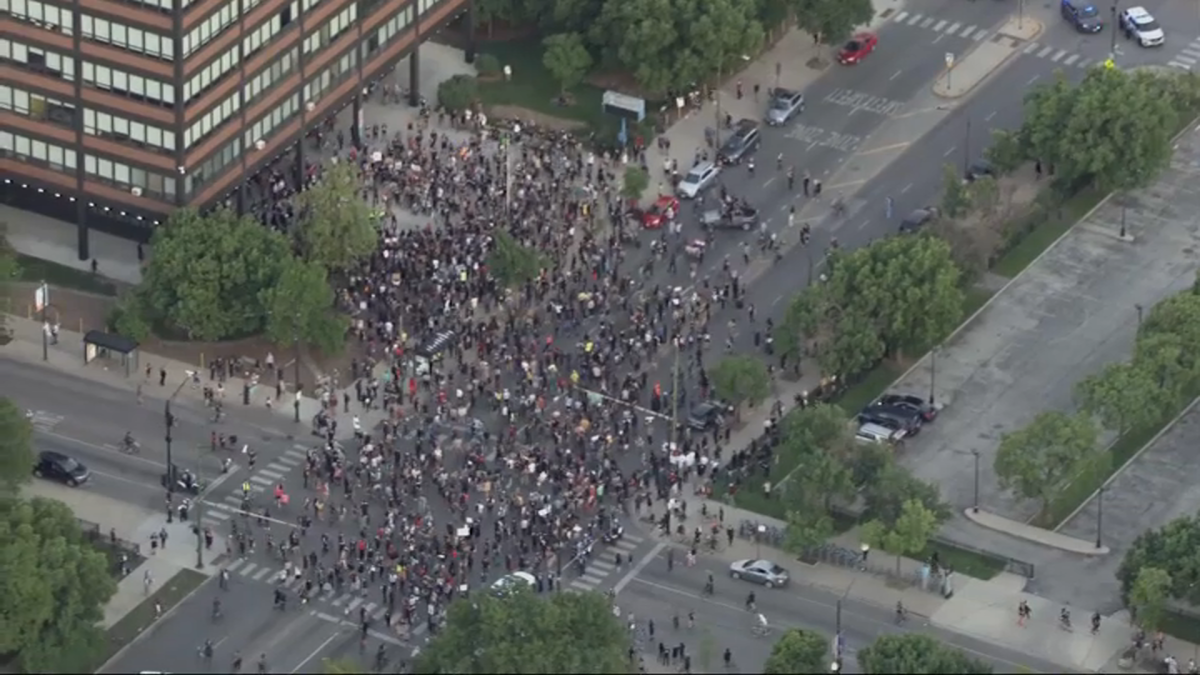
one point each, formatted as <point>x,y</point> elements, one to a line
<point>43,15</point>
<point>210,28</point>
<point>127,177</point>
<point>37,152</point>
<point>37,107</point>
<point>37,59</point>
<point>122,130</point>
<point>126,37</point>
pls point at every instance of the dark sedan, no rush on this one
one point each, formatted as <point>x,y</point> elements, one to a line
<point>708,415</point>
<point>59,467</point>
<point>927,411</point>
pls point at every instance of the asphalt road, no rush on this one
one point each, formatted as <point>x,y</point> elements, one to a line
<point>723,623</point>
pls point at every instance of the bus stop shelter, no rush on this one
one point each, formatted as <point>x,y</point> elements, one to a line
<point>112,349</point>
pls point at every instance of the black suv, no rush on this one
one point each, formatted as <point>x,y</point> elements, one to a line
<point>1083,15</point>
<point>59,467</point>
<point>744,141</point>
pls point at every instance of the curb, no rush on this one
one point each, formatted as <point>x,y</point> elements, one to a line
<point>150,629</point>
<point>993,70</point>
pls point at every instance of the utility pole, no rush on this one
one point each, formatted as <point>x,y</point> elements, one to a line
<point>296,365</point>
<point>169,422</point>
<point>199,515</point>
<point>674,437</point>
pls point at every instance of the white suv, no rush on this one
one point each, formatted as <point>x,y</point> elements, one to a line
<point>1137,24</point>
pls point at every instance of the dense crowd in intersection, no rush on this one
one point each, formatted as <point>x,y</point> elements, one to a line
<point>534,431</point>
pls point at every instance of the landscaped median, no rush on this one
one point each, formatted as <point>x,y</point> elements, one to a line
<point>125,631</point>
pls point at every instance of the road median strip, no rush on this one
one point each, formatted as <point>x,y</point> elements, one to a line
<point>141,618</point>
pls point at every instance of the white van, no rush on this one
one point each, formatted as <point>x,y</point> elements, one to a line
<point>875,433</point>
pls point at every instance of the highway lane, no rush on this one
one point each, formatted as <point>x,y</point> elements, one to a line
<point>722,621</point>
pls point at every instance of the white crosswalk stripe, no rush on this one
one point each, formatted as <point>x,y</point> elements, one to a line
<point>900,17</point>
<point>1030,48</point>
<point>940,25</point>
<point>968,31</point>
<point>927,23</point>
<point>953,28</point>
<point>1187,57</point>
<point>1071,59</point>
<point>1042,54</point>
<point>916,18</point>
<point>979,35</point>
<point>603,563</point>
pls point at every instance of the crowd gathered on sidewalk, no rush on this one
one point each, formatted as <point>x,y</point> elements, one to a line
<point>521,427</point>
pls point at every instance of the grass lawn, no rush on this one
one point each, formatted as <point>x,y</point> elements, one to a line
<point>36,270</point>
<point>1181,626</point>
<point>1024,253</point>
<point>963,561</point>
<point>142,617</point>
<point>533,87</point>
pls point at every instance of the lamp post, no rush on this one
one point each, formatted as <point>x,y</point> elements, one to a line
<point>933,354</point>
<point>42,298</point>
<point>975,453</point>
<point>1100,516</point>
<point>296,369</point>
<point>1139,309</point>
<point>199,513</point>
<point>1112,49</point>
<point>967,148</point>
<point>169,421</point>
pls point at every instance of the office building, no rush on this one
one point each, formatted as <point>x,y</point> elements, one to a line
<point>115,112</point>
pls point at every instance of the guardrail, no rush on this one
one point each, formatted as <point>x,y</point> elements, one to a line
<point>93,533</point>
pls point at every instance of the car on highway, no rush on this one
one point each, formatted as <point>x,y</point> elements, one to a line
<point>512,581</point>
<point>919,218</point>
<point>785,104</point>
<point>698,179</point>
<point>62,468</point>
<point>762,572</point>
<point>1138,24</point>
<point>857,48</point>
<point>1083,15</point>
<point>742,143</point>
<point>662,211</point>
<point>708,414</point>
<point>928,411</point>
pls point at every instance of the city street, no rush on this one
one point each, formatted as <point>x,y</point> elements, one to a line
<point>722,621</point>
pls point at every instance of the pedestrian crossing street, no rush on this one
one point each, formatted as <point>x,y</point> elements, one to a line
<point>943,26</point>
<point>261,481</point>
<point>347,603</point>
<point>1188,56</point>
<point>604,564</point>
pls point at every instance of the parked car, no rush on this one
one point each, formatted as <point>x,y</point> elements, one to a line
<point>877,434</point>
<point>927,411</point>
<point>762,572</point>
<point>785,104</point>
<point>905,419</point>
<point>708,415</point>
<point>742,143</point>
<point>512,581</point>
<point>857,48</point>
<point>914,221</point>
<point>698,179</point>
<point>978,169</point>
<point>62,468</point>
<point>1138,24</point>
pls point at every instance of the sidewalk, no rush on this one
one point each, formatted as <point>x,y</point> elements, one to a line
<point>134,523</point>
<point>39,236</point>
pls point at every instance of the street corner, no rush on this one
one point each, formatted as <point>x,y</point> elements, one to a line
<point>1021,28</point>
<point>962,74</point>
<point>147,616</point>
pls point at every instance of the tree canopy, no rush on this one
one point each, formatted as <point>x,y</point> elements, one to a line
<point>1034,462</point>
<point>1148,597</point>
<point>896,293</point>
<point>1112,131</point>
<point>522,632</point>
<point>907,535</point>
<point>16,445</point>
<point>832,21</point>
<point>10,270</point>
<point>208,273</point>
<point>336,227</point>
<point>1173,548</point>
<point>511,262</point>
<point>1124,397</point>
<point>566,58</point>
<point>798,651</point>
<point>55,585</point>
<point>916,654</point>
<point>741,379</point>
<point>300,306</point>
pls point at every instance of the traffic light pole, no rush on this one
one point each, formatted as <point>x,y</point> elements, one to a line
<point>169,422</point>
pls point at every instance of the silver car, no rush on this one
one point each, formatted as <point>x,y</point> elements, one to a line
<point>698,179</point>
<point>762,572</point>
<point>785,104</point>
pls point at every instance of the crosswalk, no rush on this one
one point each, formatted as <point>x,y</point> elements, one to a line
<point>261,481</point>
<point>1062,57</point>
<point>604,563</point>
<point>958,28</point>
<point>1188,56</point>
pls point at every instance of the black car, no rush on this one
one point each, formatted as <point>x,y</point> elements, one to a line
<point>909,420</point>
<point>918,219</point>
<point>744,141</point>
<point>59,467</point>
<point>708,415</point>
<point>1083,15</point>
<point>978,169</point>
<point>915,403</point>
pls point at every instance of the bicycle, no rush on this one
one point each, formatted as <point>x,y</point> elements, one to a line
<point>760,631</point>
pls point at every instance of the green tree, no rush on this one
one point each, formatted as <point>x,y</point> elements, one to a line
<point>1111,131</point>
<point>1035,462</point>
<point>16,445</point>
<point>1148,597</point>
<point>208,273</point>
<point>458,93</point>
<point>300,307</point>
<point>10,271</point>
<point>128,317</point>
<point>336,228</point>
<point>984,194</point>
<point>741,379</point>
<point>1166,358</point>
<point>511,262</point>
<point>634,182</point>
<point>566,59</point>
<point>1178,316</point>
<point>801,322</point>
<point>1173,548</point>
<point>521,632</point>
<point>798,651</point>
<point>956,195</point>
<point>832,21</point>
<point>1124,397</point>
<point>1005,153</point>
<point>893,487</point>
<point>916,653</point>
<point>907,536</point>
<point>56,585</point>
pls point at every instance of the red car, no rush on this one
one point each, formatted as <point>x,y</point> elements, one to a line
<point>857,48</point>
<point>661,212</point>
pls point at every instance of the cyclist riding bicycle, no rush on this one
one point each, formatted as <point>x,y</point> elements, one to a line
<point>130,442</point>
<point>750,606</point>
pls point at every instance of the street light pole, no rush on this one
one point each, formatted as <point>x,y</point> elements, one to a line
<point>1112,49</point>
<point>967,148</point>
<point>976,454</point>
<point>933,353</point>
<point>199,521</point>
<point>169,421</point>
<point>1100,516</point>
<point>1139,309</point>
<point>296,372</point>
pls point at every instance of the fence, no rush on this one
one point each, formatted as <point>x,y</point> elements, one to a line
<point>1012,565</point>
<point>93,533</point>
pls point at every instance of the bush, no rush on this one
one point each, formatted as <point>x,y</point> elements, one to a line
<point>128,318</point>
<point>458,93</point>
<point>488,64</point>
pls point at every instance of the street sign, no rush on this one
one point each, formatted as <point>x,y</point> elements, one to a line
<point>41,297</point>
<point>949,59</point>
